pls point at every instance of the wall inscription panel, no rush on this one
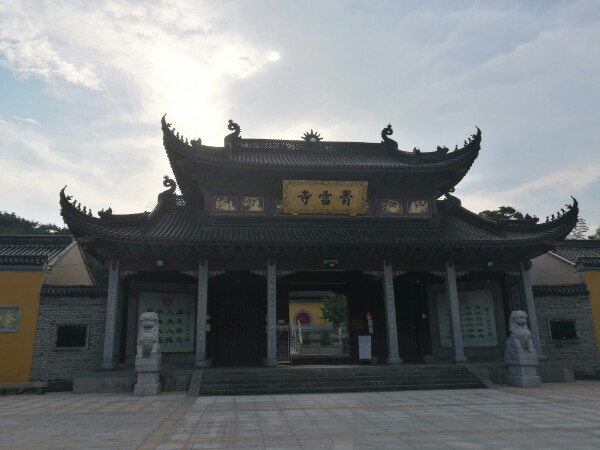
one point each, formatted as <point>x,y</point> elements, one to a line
<point>9,319</point>
<point>325,197</point>
<point>176,319</point>
<point>477,320</point>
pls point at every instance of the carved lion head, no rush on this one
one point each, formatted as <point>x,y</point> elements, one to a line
<point>149,320</point>
<point>518,319</point>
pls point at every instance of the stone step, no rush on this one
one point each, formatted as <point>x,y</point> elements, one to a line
<point>336,389</point>
<point>254,381</point>
<point>313,379</point>
<point>286,385</point>
<point>337,371</point>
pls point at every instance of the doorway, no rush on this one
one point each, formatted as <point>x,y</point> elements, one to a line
<point>237,308</point>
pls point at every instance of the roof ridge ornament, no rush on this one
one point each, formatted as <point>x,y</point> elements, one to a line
<point>312,138</point>
<point>452,201</point>
<point>105,214</point>
<point>235,128</point>
<point>169,193</point>
<point>387,131</point>
<point>232,137</point>
<point>75,204</point>
<point>570,208</point>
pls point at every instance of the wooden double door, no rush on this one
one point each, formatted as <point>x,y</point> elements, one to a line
<point>238,307</point>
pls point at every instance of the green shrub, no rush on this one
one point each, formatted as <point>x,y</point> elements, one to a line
<point>325,338</point>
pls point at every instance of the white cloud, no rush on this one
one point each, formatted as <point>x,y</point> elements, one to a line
<point>26,119</point>
<point>28,51</point>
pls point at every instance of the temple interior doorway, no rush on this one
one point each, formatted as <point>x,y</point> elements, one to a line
<point>237,309</point>
<point>327,311</point>
<point>318,317</point>
<point>412,316</point>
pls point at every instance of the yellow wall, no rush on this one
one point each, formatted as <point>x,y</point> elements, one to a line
<point>592,282</point>
<point>22,288</point>
<point>313,308</point>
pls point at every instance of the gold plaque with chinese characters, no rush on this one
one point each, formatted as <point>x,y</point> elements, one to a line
<point>324,197</point>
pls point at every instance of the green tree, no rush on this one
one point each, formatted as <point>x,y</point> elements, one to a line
<point>335,311</point>
<point>503,212</point>
<point>10,223</point>
<point>325,338</point>
<point>580,230</point>
<point>596,235</point>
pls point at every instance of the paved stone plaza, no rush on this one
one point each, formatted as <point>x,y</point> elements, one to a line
<point>555,416</point>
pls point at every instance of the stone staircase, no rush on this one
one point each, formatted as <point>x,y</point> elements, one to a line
<point>300,380</point>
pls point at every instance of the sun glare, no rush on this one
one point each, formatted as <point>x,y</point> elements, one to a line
<point>273,56</point>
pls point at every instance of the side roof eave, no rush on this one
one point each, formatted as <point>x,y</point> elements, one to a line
<point>457,229</point>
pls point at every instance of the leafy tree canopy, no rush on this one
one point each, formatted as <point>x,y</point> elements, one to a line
<point>503,212</point>
<point>335,309</point>
<point>10,223</point>
<point>580,230</point>
<point>596,235</point>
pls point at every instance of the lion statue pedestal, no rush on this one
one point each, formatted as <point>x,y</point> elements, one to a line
<point>147,359</point>
<point>519,354</point>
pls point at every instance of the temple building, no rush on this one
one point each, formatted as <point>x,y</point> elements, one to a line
<point>262,224</point>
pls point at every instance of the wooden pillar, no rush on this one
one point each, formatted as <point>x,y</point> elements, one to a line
<point>202,303</point>
<point>452,295</point>
<point>530,308</point>
<point>271,313</point>
<point>110,326</point>
<point>390,314</point>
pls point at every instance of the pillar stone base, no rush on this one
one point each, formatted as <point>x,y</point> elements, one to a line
<point>393,361</point>
<point>460,359</point>
<point>522,370</point>
<point>148,380</point>
<point>270,362</point>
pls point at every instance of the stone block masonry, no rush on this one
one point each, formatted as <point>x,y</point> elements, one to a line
<point>568,303</point>
<point>65,305</point>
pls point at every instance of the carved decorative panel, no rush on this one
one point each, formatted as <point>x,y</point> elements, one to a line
<point>224,203</point>
<point>253,204</point>
<point>418,206</point>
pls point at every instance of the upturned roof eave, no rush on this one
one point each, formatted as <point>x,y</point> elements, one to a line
<point>141,234</point>
<point>434,162</point>
<point>176,155</point>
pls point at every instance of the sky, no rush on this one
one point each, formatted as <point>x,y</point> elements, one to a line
<point>83,86</point>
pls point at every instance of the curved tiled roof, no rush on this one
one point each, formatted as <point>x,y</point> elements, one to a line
<point>456,227</point>
<point>180,222</point>
<point>572,250</point>
<point>301,154</point>
<point>33,248</point>
<point>23,260</point>
<point>267,154</point>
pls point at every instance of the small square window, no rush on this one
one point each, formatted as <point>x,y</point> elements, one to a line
<point>70,336</point>
<point>563,330</point>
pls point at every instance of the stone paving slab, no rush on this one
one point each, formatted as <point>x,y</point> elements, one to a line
<point>553,417</point>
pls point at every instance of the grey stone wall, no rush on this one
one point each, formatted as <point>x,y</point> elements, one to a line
<point>567,303</point>
<point>68,305</point>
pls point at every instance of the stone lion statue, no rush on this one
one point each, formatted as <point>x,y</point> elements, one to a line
<point>519,340</point>
<point>147,341</point>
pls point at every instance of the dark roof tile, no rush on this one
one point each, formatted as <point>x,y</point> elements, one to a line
<point>563,290</point>
<point>46,247</point>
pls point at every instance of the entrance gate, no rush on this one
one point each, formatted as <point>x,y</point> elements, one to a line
<point>237,301</point>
